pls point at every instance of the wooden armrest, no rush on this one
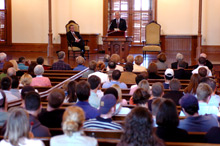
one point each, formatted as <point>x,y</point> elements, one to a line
<point>144,42</point>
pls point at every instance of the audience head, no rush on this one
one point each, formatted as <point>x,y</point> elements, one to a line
<point>3,57</point>
<point>167,115</point>
<point>116,74</point>
<point>26,79</point>
<point>140,97</point>
<point>157,89</point>
<point>83,91</point>
<point>40,60</point>
<point>38,70</point>
<point>203,92</point>
<point>140,77</point>
<point>202,60</point>
<point>211,82</point>
<point>175,85</point>
<point>169,74</point>
<point>61,54</point>
<point>15,82</point>
<point>107,104</point>
<point>32,101</point>
<point>56,98</point>
<point>21,60</point>
<point>130,58</point>
<point>11,72</point>
<point>111,65</point>
<point>115,58</point>
<point>190,104</point>
<point>71,28</point>
<point>15,64</point>
<point>71,91</point>
<point>100,66</point>
<point>92,64</point>
<point>202,72</point>
<point>94,82</point>
<point>138,60</point>
<point>73,119</point>
<point>156,104</point>
<point>25,90</point>
<point>106,58</point>
<point>162,57</point>
<point>117,87</point>
<point>80,60</point>
<point>112,91</point>
<point>152,68</point>
<point>179,57</point>
<point>6,83</point>
<point>193,84</point>
<point>17,126</point>
<point>145,85</point>
<point>6,66</point>
<point>129,67</point>
<point>31,68</point>
<point>203,55</point>
<point>181,64</point>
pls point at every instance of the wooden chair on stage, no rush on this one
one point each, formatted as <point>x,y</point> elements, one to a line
<point>152,36</point>
<point>74,49</point>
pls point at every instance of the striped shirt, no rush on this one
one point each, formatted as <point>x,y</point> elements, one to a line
<point>100,123</point>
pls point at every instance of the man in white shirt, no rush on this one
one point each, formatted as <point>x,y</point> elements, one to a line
<point>202,62</point>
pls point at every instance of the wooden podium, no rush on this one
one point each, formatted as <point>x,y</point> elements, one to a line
<point>117,44</point>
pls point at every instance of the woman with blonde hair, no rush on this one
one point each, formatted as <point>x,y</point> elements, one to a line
<point>18,130</point>
<point>15,64</point>
<point>25,80</point>
<point>73,119</point>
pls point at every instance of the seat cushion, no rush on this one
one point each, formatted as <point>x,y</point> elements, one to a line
<point>77,48</point>
<point>152,48</point>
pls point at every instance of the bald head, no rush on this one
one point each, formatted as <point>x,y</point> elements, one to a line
<point>203,55</point>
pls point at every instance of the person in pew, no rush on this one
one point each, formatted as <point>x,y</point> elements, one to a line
<point>213,135</point>
<point>60,64</point>
<point>153,71</point>
<point>130,58</point>
<point>31,69</point>
<point>168,76</point>
<point>71,93</point>
<point>138,79</point>
<point>193,84</point>
<point>6,66</point>
<point>174,92</point>
<point>106,59</point>
<point>80,61</point>
<point>157,92</point>
<point>3,58</point>
<point>3,108</point>
<point>24,91</point>
<point>95,83</point>
<point>179,58</point>
<point>141,97</point>
<point>40,61</point>
<point>15,66</point>
<point>116,58</point>
<point>21,63</point>
<point>14,87</point>
<point>202,62</point>
<point>155,106</point>
<point>128,73</point>
<point>167,120</point>
<point>18,130</point>
<point>111,66</point>
<point>73,119</point>
<point>11,72</point>
<point>6,87</point>
<point>106,110</point>
<point>181,73</point>
<point>161,61</point>
<point>215,99</point>
<point>138,134</point>
<point>39,80</point>
<point>137,66</point>
<point>52,116</point>
<point>25,80</point>
<point>83,93</point>
<point>207,62</point>
<point>100,66</point>
<point>115,80</point>
<point>92,66</point>
<point>33,108</point>
<point>195,122</point>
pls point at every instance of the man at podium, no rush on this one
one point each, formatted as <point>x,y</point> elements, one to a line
<point>118,23</point>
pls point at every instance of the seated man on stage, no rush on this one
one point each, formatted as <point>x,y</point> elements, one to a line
<point>118,23</point>
<point>75,39</point>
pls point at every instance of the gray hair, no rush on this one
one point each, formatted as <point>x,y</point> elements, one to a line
<point>179,56</point>
<point>3,56</point>
<point>11,71</point>
<point>61,54</point>
<point>38,70</point>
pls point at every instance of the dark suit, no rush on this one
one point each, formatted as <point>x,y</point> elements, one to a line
<point>174,65</point>
<point>71,41</point>
<point>174,95</point>
<point>122,25</point>
<point>182,74</point>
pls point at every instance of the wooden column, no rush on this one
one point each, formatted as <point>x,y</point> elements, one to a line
<point>198,49</point>
<point>50,36</point>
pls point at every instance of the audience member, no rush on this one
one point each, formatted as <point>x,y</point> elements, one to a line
<point>100,66</point>
<point>6,66</point>
<point>141,97</point>
<point>24,91</point>
<point>174,92</point>
<point>15,66</point>
<point>195,122</point>
<point>130,59</point>
<point>193,84</point>
<point>60,64</point>
<point>3,108</point>
<point>71,92</point>
<point>106,60</point>
<point>40,61</point>
<point>137,66</point>
<point>152,71</point>
<point>3,57</point>
<point>139,77</point>
<point>83,93</point>
<point>168,121</point>
<point>116,58</point>
<point>80,61</point>
<point>52,116</point>
<point>73,119</point>
<point>92,66</point>
<point>168,76</point>
<point>6,83</point>
<point>31,69</point>
<point>161,61</point>
<point>11,72</point>
<point>181,73</point>
<point>25,79</point>
<point>95,83</point>
<point>128,73</point>
<point>207,62</point>
<point>18,130</point>
<point>111,66</point>
<point>33,107</point>
<point>136,133</point>
<point>202,62</point>
<point>179,58</point>
<point>212,136</point>
<point>39,80</point>
<point>202,72</point>
<point>106,110</point>
<point>14,87</point>
<point>155,106</point>
<point>21,63</point>
<point>115,80</point>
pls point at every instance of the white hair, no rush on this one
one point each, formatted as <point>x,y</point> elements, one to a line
<point>38,70</point>
<point>3,56</point>
<point>203,55</point>
<point>179,56</point>
<point>11,71</point>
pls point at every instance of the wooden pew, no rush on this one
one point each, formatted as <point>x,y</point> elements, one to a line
<point>106,134</point>
<point>189,144</point>
<point>15,103</point>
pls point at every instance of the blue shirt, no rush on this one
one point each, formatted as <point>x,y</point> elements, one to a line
<point>109,84</point>
<point>21,66</point>
<point>90,112</point>
<point>1,65</point>
<point>80,67</point>
<point>166,86</point>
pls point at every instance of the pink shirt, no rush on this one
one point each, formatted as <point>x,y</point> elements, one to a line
<point>41,81</point>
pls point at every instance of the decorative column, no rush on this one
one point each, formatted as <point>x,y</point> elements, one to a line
<point>50,36</point>
<point>199,48</point>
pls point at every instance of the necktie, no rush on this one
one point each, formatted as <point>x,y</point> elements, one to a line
<point>118,21</point>
<point>75,36</point>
